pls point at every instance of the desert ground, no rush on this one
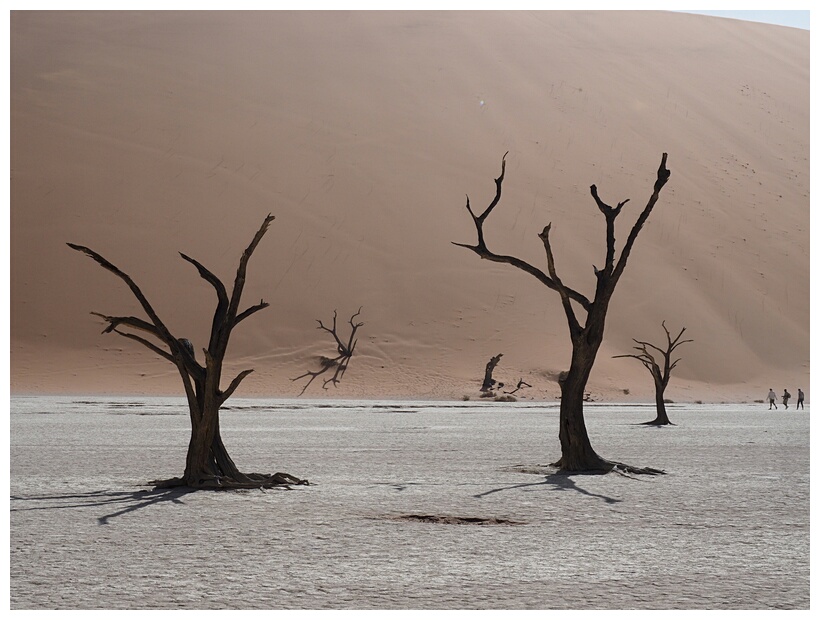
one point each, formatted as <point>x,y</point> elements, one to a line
<point>727,527</point>
<point>145,134</point>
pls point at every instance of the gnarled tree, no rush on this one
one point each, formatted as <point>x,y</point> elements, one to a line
<point>586,333</point>
<point>207,464</point>
<point>344,351</point>
<point>660,375</point>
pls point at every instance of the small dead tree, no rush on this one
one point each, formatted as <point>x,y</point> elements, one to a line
<point>207,464</point>
<point>344,351</point>
<point>489,382</point>
<point>660,374</point>
<point>521,384</point>
<point>576,450</point>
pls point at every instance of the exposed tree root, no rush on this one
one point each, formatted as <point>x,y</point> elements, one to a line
<point>623,468</point>
<point>222,483</point>
<point>603,466</point>
<point>657,422</point>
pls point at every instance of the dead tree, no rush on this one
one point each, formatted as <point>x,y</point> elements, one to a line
<point>660,375</point>
<point>207,464</point>
<point>344,351</point>
<point>576,450</point>
<point>489,382</point>
<point>521,384</point>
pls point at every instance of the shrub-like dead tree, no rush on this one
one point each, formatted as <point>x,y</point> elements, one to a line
<point>660,375</point>
<point>207,465</point>
<point>521,384</point>
<point>577,453</point>
<point>344,351</point>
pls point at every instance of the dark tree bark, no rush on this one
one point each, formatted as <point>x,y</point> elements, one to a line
<point>208,464</point>
<point>489,382</point>
<point>577,453</point>
<point>660,375</point>
<point>344,351</point>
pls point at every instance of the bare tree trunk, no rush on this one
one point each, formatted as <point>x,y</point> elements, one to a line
<point>577,453</point>
<point>208,459</point>
<point>661,418</point>
<point>489,382</point>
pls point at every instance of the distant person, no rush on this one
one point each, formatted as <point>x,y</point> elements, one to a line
<point>800,400</point>
<point>772,398</point>
<point>786,397</point>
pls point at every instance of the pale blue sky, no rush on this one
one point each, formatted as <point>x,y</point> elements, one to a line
<point>795,19</point>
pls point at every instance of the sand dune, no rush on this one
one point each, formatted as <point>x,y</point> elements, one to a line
<point>144,134</point>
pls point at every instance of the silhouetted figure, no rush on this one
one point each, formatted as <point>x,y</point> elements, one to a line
<point>786,397</point>
<point>772,397</point>
<point>800,400</point>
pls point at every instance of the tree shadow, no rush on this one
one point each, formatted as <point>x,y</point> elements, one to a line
<point>558,481</point>
<point>127,501</point>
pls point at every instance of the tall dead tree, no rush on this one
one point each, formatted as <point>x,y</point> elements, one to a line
<point>660,375</point>
<point>207,464</point>
<point>344,351</point>
<point>577,453</point>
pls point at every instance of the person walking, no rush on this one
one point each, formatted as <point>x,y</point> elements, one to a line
<point>800,397</point>
<point>772,398</point>
<point>786,397</point>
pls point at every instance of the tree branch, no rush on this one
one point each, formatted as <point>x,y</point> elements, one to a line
<point>221,295</point>
<point>351,343</point>
<point>234,384</point>
<point>150,345</point>
<point>253,309</point>
<point>663,177</point>
<point>239,282</point>
<point>610,214</point>
<point>162,331</point>
<point>130,321</point>
<point>648,344</point>
<point>157,328</point>
<point>332,331</point>
<point>674,344</point>
<point>574,326</point>
<point>482,251</point>
<point>208,276</point>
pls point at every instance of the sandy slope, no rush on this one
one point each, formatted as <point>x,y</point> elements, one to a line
<point>141,135</point>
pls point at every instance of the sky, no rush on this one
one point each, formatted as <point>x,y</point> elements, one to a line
<point>794,19</point>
